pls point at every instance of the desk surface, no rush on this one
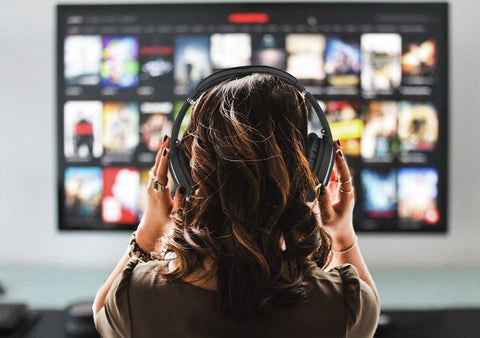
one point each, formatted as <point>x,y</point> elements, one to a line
<point>56,288</point>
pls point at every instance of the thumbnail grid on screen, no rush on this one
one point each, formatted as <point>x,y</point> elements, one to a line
<point>122,84</point>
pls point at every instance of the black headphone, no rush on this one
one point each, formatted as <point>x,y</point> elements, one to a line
<point>320,150</point>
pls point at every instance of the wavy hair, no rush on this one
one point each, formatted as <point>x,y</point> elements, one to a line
<point>246,145</point>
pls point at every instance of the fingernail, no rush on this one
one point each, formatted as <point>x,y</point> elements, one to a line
<point>165,137</point>
<point>340,153</point>
<point>322,190</point>
<point>338,143</point>
<point>182,190</point>
<point>164,151</point>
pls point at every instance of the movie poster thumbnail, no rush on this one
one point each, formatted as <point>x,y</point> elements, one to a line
<point>82,130</point>
<point>82,58</point>
<point>379,137</point>
<point>120,66</point>
<point>419,58</point>
<point>417,127</point>
<point>83,195</point>
<point>120,130</point>
<point>120,196</point>
<point>344,118</point>
<point>156,65</point>
<point>417,196</point>
<point>269,50</point>
<point>191,62</point>
<point>305,57</point>
<point>230,50</point>
<point>342,62</point>
<point>155,123</point>
<point>381,63</point>
<point>379,193</point>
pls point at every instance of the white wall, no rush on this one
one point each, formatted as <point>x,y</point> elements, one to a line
<point>27,154</point>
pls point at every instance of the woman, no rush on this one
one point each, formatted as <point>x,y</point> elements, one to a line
<point>246,255</point>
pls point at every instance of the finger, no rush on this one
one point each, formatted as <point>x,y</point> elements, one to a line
<point>158,157</point>
<point>154,169</point>
<point>325,204</point>
<point>163,167</point>
<point>345,186</point>
<point>165,145</point>
<point>179,199</point>
<point>345,180</point>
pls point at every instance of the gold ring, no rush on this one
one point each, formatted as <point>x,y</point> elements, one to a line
<point>157,185</point>
<point>345,182</point>
<point>345,191</point>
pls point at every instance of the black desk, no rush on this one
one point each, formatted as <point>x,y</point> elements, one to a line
<point>404,324</point>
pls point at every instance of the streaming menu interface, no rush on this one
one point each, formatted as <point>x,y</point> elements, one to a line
<point>378,70</point>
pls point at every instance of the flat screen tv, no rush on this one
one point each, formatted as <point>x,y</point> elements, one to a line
<point>379,70</point>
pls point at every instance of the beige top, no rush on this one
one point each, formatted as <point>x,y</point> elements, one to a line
<point>138,305</point>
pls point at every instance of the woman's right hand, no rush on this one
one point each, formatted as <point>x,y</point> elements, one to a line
<point>159,206</point>
<point>337,217</point>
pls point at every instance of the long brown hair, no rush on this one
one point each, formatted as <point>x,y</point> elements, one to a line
<point>246,144</point>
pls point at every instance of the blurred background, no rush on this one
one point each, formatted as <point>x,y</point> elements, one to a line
<point>87,92</point>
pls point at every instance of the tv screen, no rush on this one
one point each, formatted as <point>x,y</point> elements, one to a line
<point>379,71</point>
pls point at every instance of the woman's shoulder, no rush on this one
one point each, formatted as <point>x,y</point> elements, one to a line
<point>146,274</point>
<point>358,299</point>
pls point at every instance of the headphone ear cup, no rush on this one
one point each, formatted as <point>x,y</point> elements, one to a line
<point>181,170</point>
<point>327,161</point>
<point>312,150</point>
<point>319,159</point>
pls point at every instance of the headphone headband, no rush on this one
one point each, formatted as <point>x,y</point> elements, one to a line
<point>223,75</point>
<point>214,79</point>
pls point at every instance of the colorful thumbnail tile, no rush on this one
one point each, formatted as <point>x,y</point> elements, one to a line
<point>342,62</point>
<point>83,194</point>
<point>82,58</point>
<point>120,127</point>
<point>379,193</point>
<point>156,59</point>
<point>419,59</point>
<point>120,62</point>
<point>155,123</point>
<point>230,50</point>
<point>417,195</point>
<point>305,57</point>
<point>269,50</point>
<point>380,131</point>
<point>346,124</point>
<point>417,126</point>
<point>191,62</point>
<point>82,130</point>
<point>120,197</point>
<point>381,62</point>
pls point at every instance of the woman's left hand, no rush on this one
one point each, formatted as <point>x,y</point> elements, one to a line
<point>337,216</point>
<point>159,205</point>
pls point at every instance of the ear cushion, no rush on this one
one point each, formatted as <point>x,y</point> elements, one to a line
<point>312,150</point>
<point>316,148</point>
<point>326,166</point>
<point>180,170</point>
<point>320,159</point>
